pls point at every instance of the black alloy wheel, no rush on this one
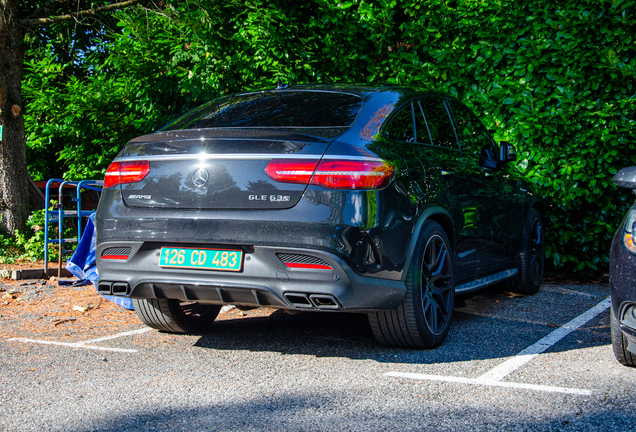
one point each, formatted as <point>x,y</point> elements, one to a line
<point>619,343</point>
<point>423,320</point>
<point>533,254</point>
<point>437,293</point>
<point>537,252</point>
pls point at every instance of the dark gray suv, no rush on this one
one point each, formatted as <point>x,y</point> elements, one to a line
<point>376,199</point>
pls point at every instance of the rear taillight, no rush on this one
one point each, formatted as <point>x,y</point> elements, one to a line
<point>332,174</point>
<point>291,170</point>
<point>126,172</point>
<point>335,174</point>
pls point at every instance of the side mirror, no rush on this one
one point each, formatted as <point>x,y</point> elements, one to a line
<point>626,178</point>
<point>507,152</point>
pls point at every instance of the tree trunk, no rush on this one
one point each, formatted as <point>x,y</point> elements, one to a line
<point>14,195</point>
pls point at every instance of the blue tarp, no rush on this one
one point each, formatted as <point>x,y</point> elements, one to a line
<point>82,263</point>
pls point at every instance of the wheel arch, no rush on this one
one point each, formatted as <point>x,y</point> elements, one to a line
<point>437,214</point>
<point>539,205</point>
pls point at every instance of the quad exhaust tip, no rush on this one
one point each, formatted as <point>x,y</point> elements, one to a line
<point>113,288</point>
<point>105,288</point>
<point>313,301</point>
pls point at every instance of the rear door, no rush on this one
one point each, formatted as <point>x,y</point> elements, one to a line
<point>465,186</point>
<point>503,192</point>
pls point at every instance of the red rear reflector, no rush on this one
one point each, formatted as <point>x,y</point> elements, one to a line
<point>332,174</point>
<point>115,257</point>
<point>309,266</point>
<point>126,172</point>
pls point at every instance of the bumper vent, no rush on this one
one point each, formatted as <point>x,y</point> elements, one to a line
<point>303,261</point>
<point>117,251</point>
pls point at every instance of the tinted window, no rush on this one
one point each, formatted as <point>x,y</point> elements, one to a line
<point>473,137</point>
<point>401,126</point>
<point>439,123</point>
<point>274,109</point>
<point>421,128</point>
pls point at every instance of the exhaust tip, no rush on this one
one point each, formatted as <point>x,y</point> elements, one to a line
<point>299,300</point>
<point>104,288</point>
<point>314,301</point>
<point>121,288</point>
<point>324,301</point>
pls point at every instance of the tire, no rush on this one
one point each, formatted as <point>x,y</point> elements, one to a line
<point>175,316</point>
<point>619,343</point>
<point>532,256</point>
<point>423,319</point>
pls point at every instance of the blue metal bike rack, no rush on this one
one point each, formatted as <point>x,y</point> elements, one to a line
<point>58,214</point>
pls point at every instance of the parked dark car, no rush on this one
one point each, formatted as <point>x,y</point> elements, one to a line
<point>377,199</point>
<point>623,279</point>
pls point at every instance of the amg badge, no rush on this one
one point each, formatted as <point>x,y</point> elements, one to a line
<point>274,198</point>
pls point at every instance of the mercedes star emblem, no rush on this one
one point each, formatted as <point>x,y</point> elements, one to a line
<point>200,177</point>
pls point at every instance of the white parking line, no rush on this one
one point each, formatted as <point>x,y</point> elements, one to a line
<point>118,335</point>
<point>85,345</point>
<point>71,345</point>
<point>500,372</point>
<point>480,381</point>
<point>495,375</point>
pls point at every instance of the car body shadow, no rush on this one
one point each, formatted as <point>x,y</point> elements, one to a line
<point>488,325</point>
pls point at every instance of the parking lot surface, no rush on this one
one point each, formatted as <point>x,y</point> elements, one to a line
<point>511,362</point>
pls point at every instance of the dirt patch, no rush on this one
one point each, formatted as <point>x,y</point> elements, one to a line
<point>235,313</point>
<point>27,265</point>
<point>42,308</point>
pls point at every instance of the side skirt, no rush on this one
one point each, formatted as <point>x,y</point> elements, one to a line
<point>485,281</point>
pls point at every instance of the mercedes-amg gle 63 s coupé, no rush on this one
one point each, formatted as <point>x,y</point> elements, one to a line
<point>376,199</point>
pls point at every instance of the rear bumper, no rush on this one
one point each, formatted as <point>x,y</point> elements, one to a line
<point>265,280</point>
<point>343,223</point>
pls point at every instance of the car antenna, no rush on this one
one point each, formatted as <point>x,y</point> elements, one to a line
<point>280,85</point>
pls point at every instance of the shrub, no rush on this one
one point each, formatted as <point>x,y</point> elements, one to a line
<point>554,78</point>
<point>30,245</point>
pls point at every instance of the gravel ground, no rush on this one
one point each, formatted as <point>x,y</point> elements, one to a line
<point>267,370</point>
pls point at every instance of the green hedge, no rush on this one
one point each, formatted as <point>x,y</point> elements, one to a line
<point>554,78</point>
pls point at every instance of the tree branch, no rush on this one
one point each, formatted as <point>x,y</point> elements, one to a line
<point>47,9</point>
<point>40,22</point>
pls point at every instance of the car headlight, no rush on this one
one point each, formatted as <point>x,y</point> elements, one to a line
<point>629,232</point>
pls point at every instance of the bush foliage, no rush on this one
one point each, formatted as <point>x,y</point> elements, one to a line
<point>557,79</point>
<point>29,246</point>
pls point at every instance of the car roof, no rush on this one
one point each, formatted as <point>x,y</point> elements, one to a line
<point>359,89</point>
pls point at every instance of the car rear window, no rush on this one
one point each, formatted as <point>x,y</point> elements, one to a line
<point>274,109</point>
